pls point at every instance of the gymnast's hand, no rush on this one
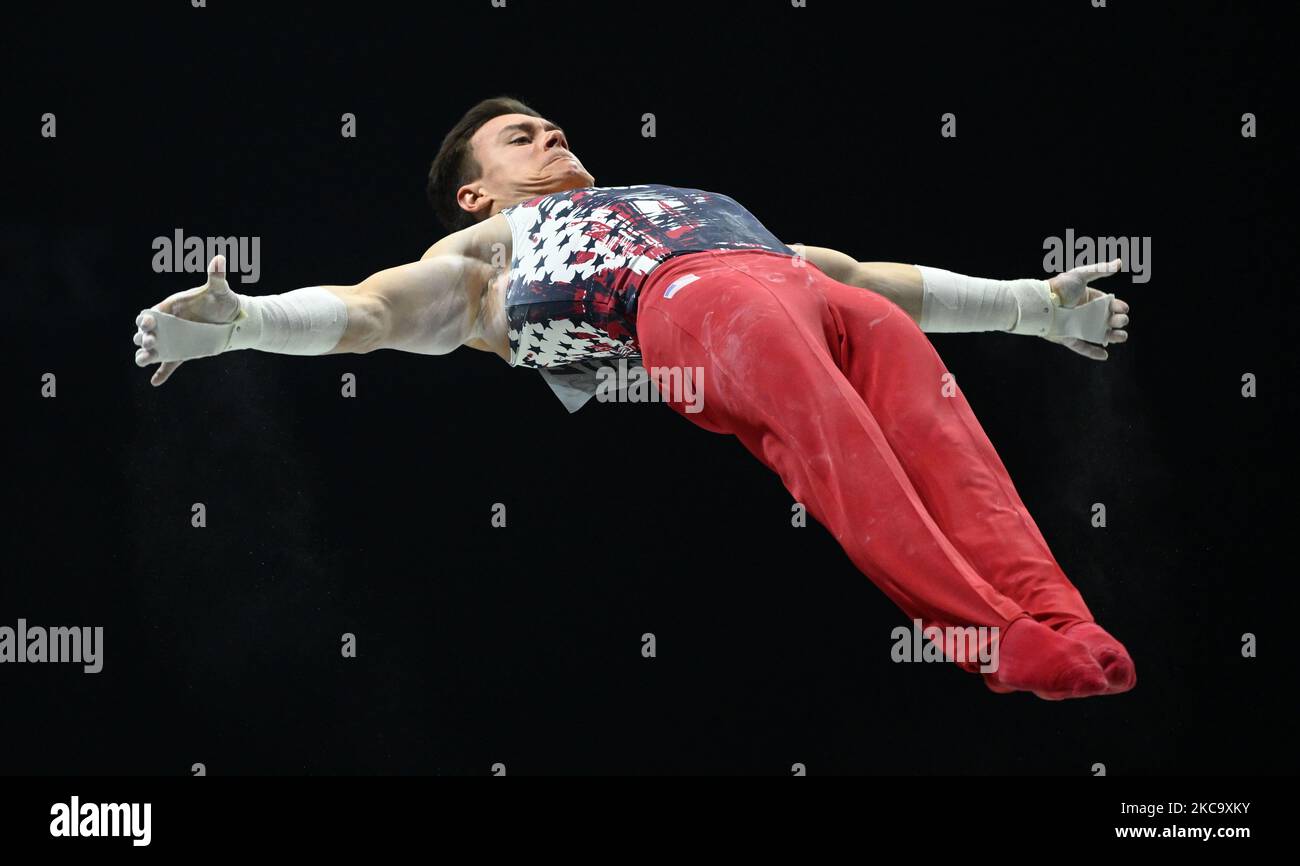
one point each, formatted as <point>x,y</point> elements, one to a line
<point>1073,289</point>
<point>213,302</point>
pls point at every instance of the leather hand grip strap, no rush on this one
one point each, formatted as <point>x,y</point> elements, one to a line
<point>180,339</point>
<point>1042,315</point>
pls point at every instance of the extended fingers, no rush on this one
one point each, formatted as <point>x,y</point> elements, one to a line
<point>216,274</point>
<point>163,372</point>
<point>146,337</point>
<point>1118,321</point>
<point>1097,271</point>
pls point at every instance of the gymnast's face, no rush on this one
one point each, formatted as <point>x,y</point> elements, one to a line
<point>521,157</point>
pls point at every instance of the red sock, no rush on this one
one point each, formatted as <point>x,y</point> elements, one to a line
<point>1121,673</point>
<point>1110,654</point>
<point>1032,657</point>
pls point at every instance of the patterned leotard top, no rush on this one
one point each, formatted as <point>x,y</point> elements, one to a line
<point>581,256</point>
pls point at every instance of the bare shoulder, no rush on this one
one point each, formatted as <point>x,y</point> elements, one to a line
<point>488,242</point>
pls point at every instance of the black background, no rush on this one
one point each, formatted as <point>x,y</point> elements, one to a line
<point>522,645</point>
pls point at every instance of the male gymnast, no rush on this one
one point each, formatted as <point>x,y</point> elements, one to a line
<point>823,372</point>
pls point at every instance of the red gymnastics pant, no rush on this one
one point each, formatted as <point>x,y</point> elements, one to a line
<point>839,392</point>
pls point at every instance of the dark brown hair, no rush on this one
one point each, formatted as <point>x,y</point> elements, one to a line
<point>455,165</point>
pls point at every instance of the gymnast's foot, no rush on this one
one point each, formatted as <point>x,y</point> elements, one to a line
<point>1116,663</point>
<point>1033,658</point>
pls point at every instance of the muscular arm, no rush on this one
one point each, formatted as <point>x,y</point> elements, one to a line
<point>899,283</point>
<point>968,304</point>
<point>426,307</point>
<point>429,307</point>
<point>436,249</point>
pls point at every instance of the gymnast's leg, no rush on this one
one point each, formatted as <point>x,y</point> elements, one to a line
<point>767,351</point>
<point>957,472</point>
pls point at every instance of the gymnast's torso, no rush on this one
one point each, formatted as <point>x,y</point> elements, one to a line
<point>577,261</point>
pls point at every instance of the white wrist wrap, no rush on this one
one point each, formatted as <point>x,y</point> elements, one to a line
<point>952,303</point>
<point>302,322</point>
<point>308,321</point>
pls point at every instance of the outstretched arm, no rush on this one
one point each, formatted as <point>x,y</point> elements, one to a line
<point>944,302</point>
<point>900,283</point>
<point>429,307</point>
